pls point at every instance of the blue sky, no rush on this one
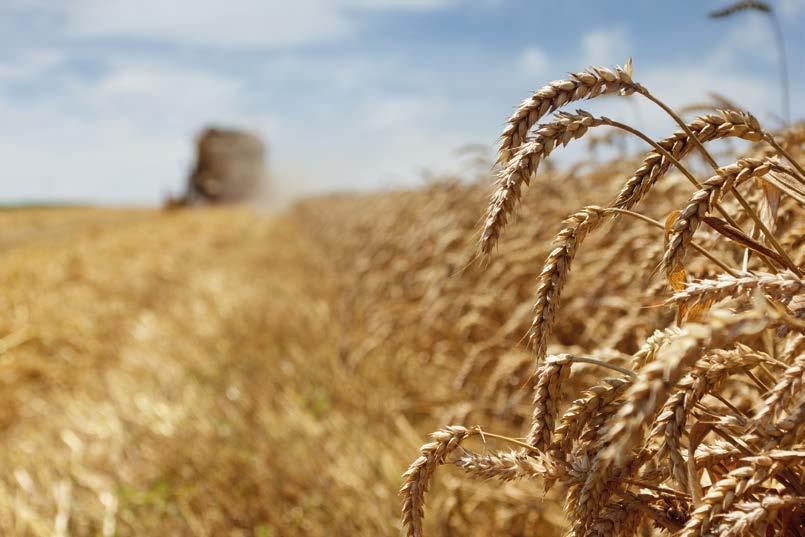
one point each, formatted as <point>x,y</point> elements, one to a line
<point>100,99</point>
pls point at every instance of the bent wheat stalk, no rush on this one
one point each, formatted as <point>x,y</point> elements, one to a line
<point>520,123</point>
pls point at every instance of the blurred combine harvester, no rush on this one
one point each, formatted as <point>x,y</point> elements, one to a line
<point>230,168</point>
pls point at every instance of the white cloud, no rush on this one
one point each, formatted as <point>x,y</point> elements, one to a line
<point>791,8</point>
<point>534,62</point>
<point>387,113</point>
<point>380,141</point>
<point>30,63</point>
<point>750,36</point>
<point>333,118</point>
<point>231,24</point>
<point>125,136</point>
<point>605,47</point>
<point>400,4</point>
<point>223,24</point>
<point>160,96</point>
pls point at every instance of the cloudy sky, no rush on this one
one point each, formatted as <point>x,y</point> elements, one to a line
<point>100,99</point>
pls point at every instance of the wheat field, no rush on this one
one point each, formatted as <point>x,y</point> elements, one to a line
<point>678,441</point>
<point>603,350</point>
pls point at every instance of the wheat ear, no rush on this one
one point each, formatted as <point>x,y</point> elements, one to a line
<point>416,480</point>
<point>727,123</point>
<point>782,393</point>
<point>701,203</point>
<point>583,411</point>
<point>652,345</point>
<point>588,84</point>
<point>746,516</point>
<point>507,466</point>
<point>766,9</point>
<point>549,377</point>
<point>524,165</point>
<point>782,286</point>
<point>554,273</point>
<point>722,494</point>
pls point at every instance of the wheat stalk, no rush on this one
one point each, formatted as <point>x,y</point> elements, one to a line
<point>737,7</point>
<point>766,9</point>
